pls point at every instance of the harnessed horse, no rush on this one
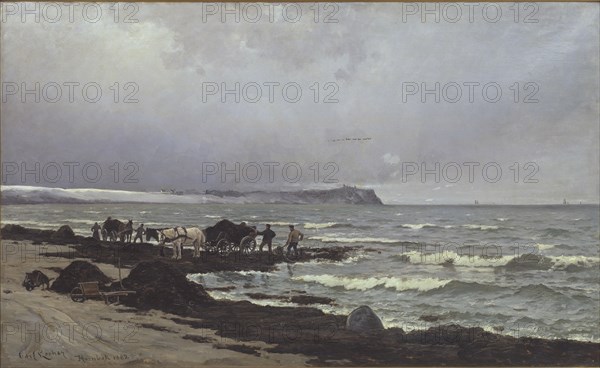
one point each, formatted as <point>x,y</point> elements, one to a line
<point>181,236</point>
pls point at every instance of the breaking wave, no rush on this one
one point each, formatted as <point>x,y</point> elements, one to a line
<point>522,262</point>
<point>483,227</point>
<point>334,239</point>
<point>325,225</point>
<point>456,287</point>
<point>362,284</point>
<point>421,226</point>
<point>553,232</point>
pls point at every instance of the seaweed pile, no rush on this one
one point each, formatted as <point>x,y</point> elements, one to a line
<point>234,232</point>
<point>76,272</point>
<point>160,285</point>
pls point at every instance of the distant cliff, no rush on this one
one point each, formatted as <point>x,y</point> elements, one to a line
<point>33,195</point>
<point>343,195</point>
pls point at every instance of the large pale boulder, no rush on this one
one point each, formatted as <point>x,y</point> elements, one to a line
<point>363,319</point>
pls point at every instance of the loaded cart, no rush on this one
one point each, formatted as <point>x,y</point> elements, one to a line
<point>91,290</point>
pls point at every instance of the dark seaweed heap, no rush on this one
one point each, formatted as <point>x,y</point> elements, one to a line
<point>76,272</point>
<point>234,232</point>
<point>162,286</point>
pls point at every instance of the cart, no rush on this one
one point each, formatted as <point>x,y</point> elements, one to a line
<point>91,290</point>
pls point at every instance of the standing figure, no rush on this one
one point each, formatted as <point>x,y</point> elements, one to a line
<point>96,231</point>
<point>267,238</point>
<point>138,233</point>
<point>293,238</point>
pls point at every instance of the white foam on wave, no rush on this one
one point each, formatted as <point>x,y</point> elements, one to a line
<point>480,227</point>
<point>334,239</point>
<point>362,284</point>
<point>463,260</point>
<point>541,246</point>
<point>281,223</point>
<point>418,226</point>
<point>561,262</point>
<point>80,221</point>
<point>33,223</point>
<point>312,225</point>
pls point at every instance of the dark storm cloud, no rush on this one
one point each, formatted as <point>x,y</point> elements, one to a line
<point>368,53</point>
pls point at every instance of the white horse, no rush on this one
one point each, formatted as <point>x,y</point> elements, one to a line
<point>181,236</point>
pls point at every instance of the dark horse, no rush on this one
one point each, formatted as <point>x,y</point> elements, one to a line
<point>152,234</point>
<point>126,231</point>
<point>123,230</point>
<point>112,225</point>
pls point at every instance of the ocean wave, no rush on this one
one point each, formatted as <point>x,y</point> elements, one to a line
<point>281,223</point>
<point>33,224</point>
<point>456,287</point>
<point>552,232</point>
<point>324,225</point>
<point>452,258</point>
<point>483,227</point>
<point>538,291</point>
<point>501,219</point>
<point>565,246</point>
<point>512,262</point>
<point>334,239</point>
<point>80,221</point>
<point>541,246</point>
<point>362,284</point>
<point>574,263</point>
<point>420,226</point>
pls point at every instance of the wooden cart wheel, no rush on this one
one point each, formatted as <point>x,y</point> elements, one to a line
<point>234,247</point>
<point>223,247</point>
<point>248,245</point>
<point>77,295</point>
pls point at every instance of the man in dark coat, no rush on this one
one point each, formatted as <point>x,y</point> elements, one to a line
<point>267,238</point>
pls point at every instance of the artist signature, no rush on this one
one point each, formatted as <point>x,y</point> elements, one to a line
<point>41,355</point>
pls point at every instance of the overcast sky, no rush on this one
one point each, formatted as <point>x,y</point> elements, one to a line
<point>175,54</point>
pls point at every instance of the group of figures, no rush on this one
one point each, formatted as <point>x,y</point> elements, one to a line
<point>113,230</point>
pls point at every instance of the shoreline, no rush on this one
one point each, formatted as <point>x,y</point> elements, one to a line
<point>254,334</point>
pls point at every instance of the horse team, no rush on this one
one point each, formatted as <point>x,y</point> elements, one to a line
<point>113,229</point>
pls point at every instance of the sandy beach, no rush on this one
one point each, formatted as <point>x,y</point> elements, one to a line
<point>43,328</point>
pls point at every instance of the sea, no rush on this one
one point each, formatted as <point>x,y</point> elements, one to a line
<point>516,270</point>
